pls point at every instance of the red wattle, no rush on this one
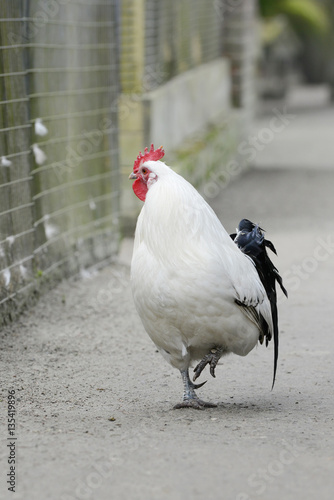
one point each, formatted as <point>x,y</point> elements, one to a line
<point>140,189</point>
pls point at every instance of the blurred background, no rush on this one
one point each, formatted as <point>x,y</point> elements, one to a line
<point>86,84</point>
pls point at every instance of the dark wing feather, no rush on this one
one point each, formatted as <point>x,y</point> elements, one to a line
<point>250,239</point>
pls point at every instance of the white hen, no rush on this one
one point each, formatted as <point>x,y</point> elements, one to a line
<point>198,295</point>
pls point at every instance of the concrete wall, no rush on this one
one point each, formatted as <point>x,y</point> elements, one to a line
<point>187,104</point>
<point>183,115</point>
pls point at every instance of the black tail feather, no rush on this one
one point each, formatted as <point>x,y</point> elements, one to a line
<point>250,239</point>
<point>274,315</point>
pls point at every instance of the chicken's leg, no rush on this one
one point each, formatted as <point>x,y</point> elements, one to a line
<point>212,358</point>
<point>190,398</point>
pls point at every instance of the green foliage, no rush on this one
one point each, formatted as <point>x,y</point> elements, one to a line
<point>304,15</point>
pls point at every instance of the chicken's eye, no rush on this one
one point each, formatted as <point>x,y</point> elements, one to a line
<point>144,171</point>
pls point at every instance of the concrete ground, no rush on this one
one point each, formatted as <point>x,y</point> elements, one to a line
<point>94,399</point>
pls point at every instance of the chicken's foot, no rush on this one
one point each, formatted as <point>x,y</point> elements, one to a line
<point>190,398</point>
<point>212,359</point>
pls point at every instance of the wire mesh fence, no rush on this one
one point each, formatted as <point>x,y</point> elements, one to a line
<point>179,35</point>
<point>59,148</point>
<point>73,74</point>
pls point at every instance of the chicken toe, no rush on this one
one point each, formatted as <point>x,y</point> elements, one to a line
<point>212,359</point>
<point>196,404</point>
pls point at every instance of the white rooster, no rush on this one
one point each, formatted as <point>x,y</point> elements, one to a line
<point>199,294</point>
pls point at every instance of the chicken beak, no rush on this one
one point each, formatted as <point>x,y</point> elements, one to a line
<point>132,176</point>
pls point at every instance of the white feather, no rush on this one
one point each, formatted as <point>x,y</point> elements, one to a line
<point>40,156</point>
<point>40,128</point>
<point>5,162</point>
<point>7,275</point>
<point>10,240</point>
<point>92,204</point>
<point>23,271</point>
<point>49,228</point>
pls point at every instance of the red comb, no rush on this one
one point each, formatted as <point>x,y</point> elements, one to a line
<point>152,154</point>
